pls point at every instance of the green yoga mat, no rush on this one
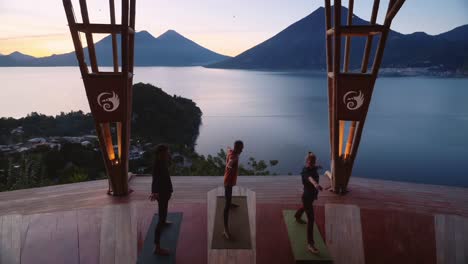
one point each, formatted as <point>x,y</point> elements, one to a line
<point>298,239</point>
<point>169,237</point>
<point>238,224</point>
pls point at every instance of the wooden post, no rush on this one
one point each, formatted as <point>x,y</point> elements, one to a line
<point>109,93</point>
<point>349,94</point>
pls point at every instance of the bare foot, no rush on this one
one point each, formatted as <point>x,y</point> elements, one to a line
<point>167,223</point>
<point>312,249</point>
<point>233,205</point>
<point>227,235</point>
<point>161,251</point>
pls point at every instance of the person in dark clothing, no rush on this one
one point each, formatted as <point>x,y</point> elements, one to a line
<point>310,180</point>
<point>301,210</point>
<point>161,190</point>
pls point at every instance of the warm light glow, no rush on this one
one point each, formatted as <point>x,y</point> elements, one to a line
<point>340,145</point>
<point>108,141</point>
<point>40,46</point>
<point>119,138</point>
<point>349,144</point>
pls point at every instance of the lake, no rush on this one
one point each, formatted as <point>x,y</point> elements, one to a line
<point>416,129</point>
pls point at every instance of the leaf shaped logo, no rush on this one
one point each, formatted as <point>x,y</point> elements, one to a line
<point>108,101</point>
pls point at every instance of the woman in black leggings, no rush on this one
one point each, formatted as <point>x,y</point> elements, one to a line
<point>310,180</point>
<point>161,190</point>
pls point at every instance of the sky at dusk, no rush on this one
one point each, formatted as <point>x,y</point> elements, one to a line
<point>229,27</point>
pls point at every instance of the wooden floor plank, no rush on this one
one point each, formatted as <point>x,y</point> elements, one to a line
<point>126,234</point>
<point>107,248</point>
<point>10,239</point>
<point>118,240</point>
<point>451,239</point>
<point>191,247</point>
<point>398,237</point>
<point>89,234</point>
<point>52,238</point>
<point>344,233</point>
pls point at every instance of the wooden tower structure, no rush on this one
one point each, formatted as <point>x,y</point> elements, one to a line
<point>350,93</point>
<point>109,93</point>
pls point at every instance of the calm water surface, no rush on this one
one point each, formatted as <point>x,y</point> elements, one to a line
<point>416,130</point>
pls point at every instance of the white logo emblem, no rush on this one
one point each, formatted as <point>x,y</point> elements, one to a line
<point>353,100</point>
<point>109,102</point>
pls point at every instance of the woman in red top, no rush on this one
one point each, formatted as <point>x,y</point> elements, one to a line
<point>230,179</point>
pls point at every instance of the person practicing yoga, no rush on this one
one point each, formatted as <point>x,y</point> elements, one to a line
<point>230,179</point>
<point>161,190</point>
<point>301,210</point>
<point>310,180</point>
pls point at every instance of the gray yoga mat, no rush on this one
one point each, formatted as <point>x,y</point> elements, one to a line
<point>238,224</point>
<point>169,238</point>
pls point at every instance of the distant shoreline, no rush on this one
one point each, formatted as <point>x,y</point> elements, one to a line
<point>383,72</point>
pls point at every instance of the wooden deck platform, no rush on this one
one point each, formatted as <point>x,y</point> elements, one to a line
<point>386,222</point>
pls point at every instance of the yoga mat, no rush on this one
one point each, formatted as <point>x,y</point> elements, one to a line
<point>298,239</point>
<point>238,225</point>
<point>169,237</point>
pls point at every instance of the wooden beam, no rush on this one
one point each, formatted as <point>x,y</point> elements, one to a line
<point>75,37</point>
<point>115,56</point>
<point>336,70</point>
<point>132,36</point>
<point>89,37</point>
<point>348,38</point>
<point>375,10</point>
<point>124,37</point>
<point>127,94</point>
<point>355,74</point>
<point>132,13</point>
<point>361,30</point>
<point>330,80</point>
<point>367,49</point>
<point>393,11</point>
<point>98,28</point>
<point>104,75</point>
<point>358,30</point>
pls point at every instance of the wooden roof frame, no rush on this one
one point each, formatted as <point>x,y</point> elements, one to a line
<point>342,83</point>
<point>112,115</point>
